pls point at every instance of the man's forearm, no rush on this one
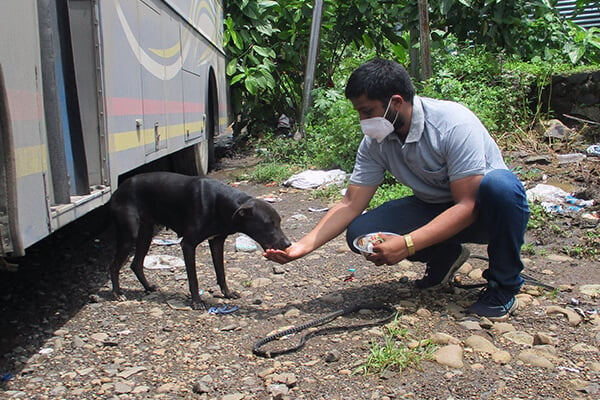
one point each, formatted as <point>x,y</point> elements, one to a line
<point>331,225</point>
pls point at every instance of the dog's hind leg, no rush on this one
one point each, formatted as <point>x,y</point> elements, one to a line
<point>189,256</point>
<point>125,237</point>
<point>217,246</point>
<point>115,267</point>
<point>142,245</point>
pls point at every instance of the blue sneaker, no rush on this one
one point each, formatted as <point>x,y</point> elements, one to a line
<point>495,302</point>
<point>437,276</point>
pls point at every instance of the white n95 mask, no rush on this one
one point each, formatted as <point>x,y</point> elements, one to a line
<point>378,128</point>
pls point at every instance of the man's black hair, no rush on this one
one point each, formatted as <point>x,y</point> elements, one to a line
<point>380,79</point>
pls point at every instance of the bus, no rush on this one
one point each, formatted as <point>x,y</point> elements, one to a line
<point>94,90</point>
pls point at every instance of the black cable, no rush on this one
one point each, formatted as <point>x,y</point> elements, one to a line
<point>320,321</point>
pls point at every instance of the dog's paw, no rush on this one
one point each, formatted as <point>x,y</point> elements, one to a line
<point>230,294</point>
<point>119,296</point>
<point>151,288</point>
<point>199,305</point>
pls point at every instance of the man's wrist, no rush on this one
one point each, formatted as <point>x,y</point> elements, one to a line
<point>410,245</point>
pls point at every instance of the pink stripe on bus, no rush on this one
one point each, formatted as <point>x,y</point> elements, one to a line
<point>24,105</point>
<point>118,106</point>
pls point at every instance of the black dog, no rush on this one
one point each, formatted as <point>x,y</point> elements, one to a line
<point>197,209</point>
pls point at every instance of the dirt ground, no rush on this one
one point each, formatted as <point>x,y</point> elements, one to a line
<point>63,336</point>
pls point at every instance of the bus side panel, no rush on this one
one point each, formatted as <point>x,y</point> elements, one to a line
<point>119,26</point>
<point>19,56</point>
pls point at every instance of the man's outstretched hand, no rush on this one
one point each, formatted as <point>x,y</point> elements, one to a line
<point>291,253</point>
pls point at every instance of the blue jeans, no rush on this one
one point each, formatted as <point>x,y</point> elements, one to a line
<point>501,224</point>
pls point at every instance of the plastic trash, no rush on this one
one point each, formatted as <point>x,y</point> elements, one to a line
<point>166,242</point>
<point>315,178</point>
<point>224,309</point>
<point>556,200</point>
<point>245,243</point>
<point>163,261</point>
<point>570,158</point>
<point>593,150</point>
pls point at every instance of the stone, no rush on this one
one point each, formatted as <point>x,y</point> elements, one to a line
<point>534,359</point>
<point>519,337</point>
<point>443,338</point>
<point>450,356</point>
<point>584,348</point>
<point>543,338</point>
<point>590,290</point>
<point>501,357</point>
<point>480,344</point>
<point>573,318</point>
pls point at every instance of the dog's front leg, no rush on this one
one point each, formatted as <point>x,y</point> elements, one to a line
<point>189,256</point>
<point>217,246</point>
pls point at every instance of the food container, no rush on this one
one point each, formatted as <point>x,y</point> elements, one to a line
<point>364,243</point>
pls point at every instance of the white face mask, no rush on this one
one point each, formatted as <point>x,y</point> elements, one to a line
<point>378,128</point>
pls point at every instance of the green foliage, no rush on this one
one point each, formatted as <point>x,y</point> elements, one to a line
<point>525,28</point>
<point>393,353</point>
<point>387,192</point>
<point>267,45</point>
<point>476,78</point>
<point>538,217</point>
<point>271,172</point>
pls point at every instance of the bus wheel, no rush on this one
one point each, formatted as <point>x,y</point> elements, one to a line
<point>201,157</point>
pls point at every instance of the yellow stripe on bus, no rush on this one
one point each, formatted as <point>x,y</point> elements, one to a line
<point>31,160</point>
<point>121,141</point>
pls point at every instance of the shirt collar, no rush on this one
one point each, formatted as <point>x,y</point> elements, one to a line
<point>417,121</point>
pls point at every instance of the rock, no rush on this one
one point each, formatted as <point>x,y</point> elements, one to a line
<point>543,338</point>
<point>287,378</point>
<point>332,356</point>
<point>450,356</point>
<point>261,282</point>
<point>534,359</point>
<point>475,274</point>
<point>121,388</point>
<point>584,348</point>
<point>524,299</point>
<point>470,325</point>
<point>501,357</point>
<point>126,373</point>
<point>501,328</point>
<point>519,337</point>
<point>233,396</point>
<point>590,290</point>
<point>168,387</point>
<point>278,391</point>
<point>99,337</point>
<point>443,338</point>
<point>292,313</point>
<point>423,313</point>
<point>573,318</point>
<point>485,323</point>
<point>480,344</point>
<point>200,388</point>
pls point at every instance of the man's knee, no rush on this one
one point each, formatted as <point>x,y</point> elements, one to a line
<point>500,186</point>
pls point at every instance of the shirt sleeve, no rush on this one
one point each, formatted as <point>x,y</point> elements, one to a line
<point>368,169</point>
<point>465,151</point>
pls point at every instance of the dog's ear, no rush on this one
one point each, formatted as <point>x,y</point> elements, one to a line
<point>245,210</point>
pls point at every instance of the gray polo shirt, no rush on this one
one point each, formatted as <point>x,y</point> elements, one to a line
<point>446,141</point>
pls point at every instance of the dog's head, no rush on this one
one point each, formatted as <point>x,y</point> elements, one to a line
<point>259,220</point>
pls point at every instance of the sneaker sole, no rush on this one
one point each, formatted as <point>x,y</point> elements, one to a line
<point>460,260</point>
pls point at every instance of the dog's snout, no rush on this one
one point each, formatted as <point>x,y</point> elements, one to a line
<point>284,244</point>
